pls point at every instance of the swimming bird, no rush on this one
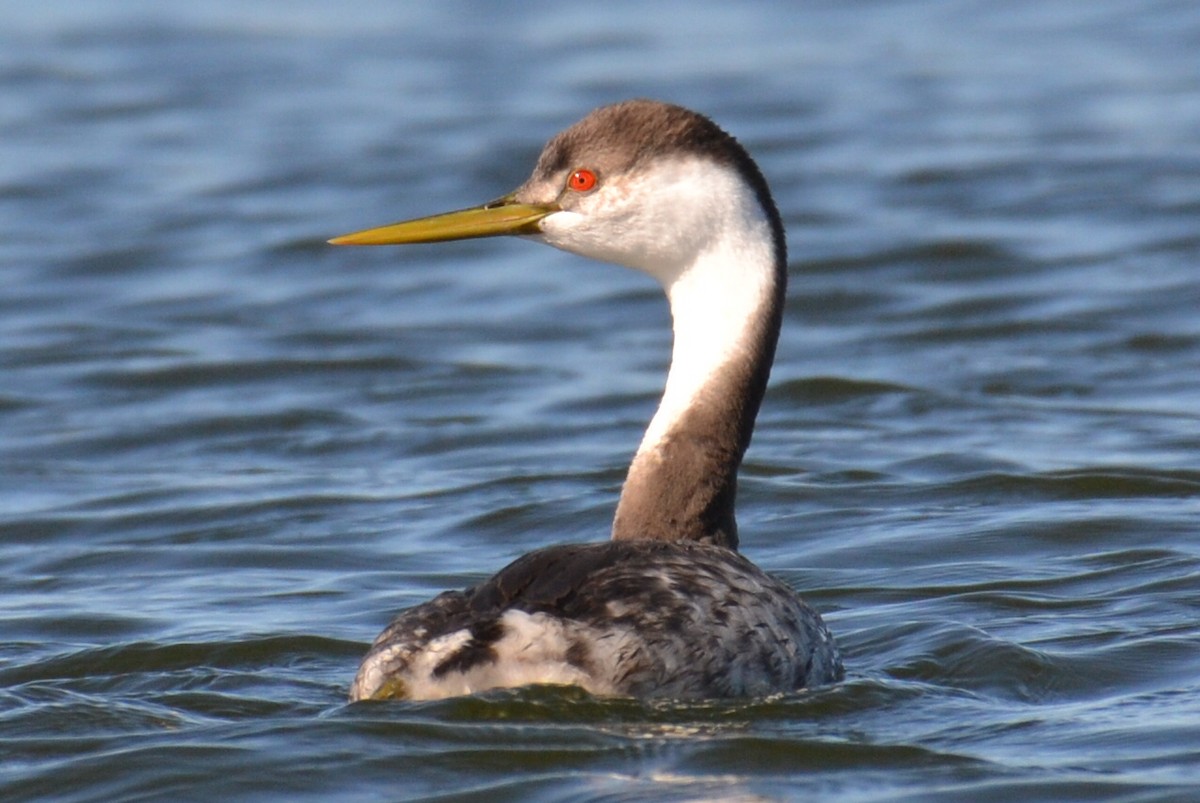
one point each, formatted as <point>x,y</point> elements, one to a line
<point>667,608</point>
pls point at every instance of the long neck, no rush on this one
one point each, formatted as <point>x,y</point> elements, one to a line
<point>726,309</point>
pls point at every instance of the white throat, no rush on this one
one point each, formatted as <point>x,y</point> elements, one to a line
<point>716,302</point>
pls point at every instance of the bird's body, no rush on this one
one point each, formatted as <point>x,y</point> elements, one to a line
<point>668,608</point>
<point>639,618</point>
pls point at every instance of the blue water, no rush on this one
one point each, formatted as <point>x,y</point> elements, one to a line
<point>229,452</point>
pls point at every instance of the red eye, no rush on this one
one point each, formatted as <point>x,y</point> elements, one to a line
<point>582,180</point>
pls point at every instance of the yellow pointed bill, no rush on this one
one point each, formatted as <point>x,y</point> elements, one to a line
<point>490,220</point>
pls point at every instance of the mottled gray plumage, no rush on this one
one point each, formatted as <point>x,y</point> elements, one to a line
<point>644,619</point>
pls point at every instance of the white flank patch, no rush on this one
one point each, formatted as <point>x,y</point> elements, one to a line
<point>533,649</point>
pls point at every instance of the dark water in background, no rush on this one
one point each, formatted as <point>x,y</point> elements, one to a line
<point>229,452</point>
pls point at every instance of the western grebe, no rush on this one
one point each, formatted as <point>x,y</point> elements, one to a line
<point>667,608</point>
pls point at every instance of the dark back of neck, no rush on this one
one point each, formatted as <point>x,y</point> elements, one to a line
<point>683,487</point>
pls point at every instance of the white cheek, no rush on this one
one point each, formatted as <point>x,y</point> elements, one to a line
<point>557,228</point>
<point>595,236</point>
<point>658,219</point>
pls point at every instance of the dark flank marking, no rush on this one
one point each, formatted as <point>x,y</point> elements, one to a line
<point>675,623</point>
<point>579,655</point>
<point>767,664</point>
<point>802,677</point>
<point>476,651</point>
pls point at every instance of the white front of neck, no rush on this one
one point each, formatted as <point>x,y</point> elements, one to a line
<point>715,303</point>
<point>698,227</point>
